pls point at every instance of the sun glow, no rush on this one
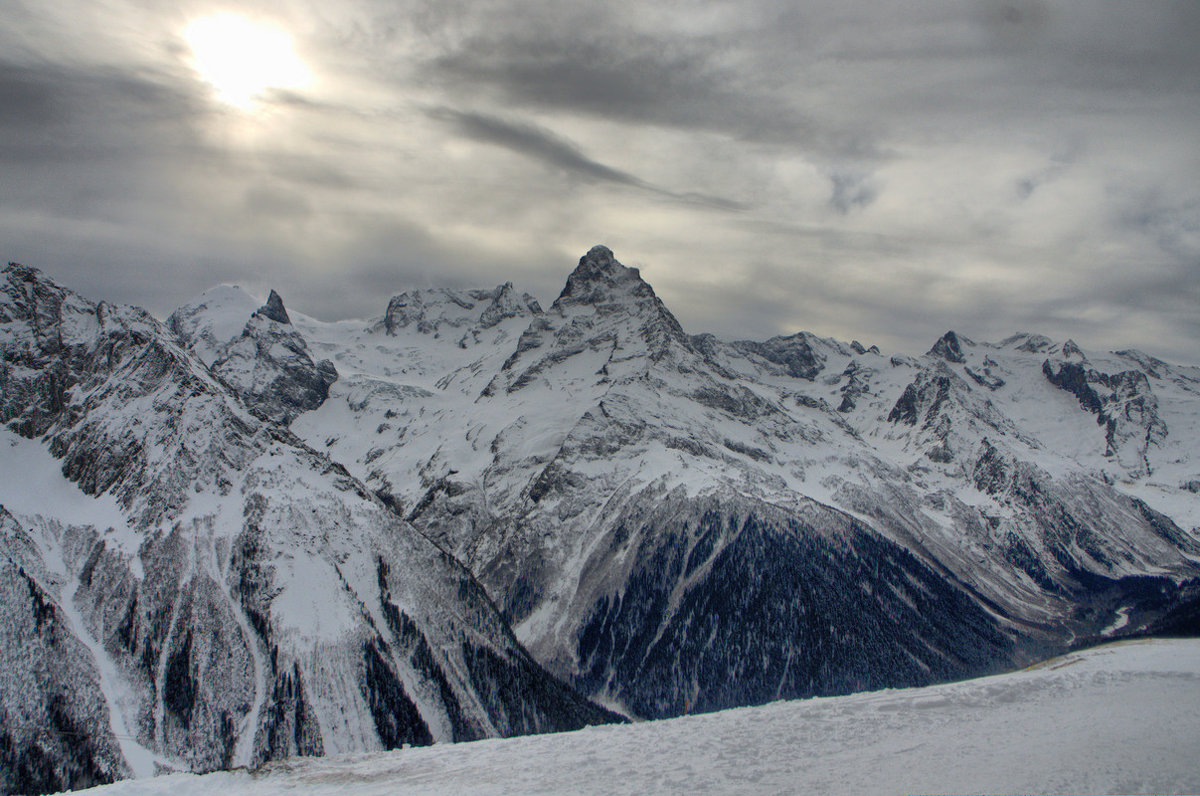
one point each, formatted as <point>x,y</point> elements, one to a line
<point>242,59</point>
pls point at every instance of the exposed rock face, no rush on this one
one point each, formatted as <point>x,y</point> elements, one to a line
<point>795,353</point>
<point>858,383</point>
<point>274,310</point>
<point>465,313</point>
<point>506,304</point>
<point>241,599</point>
<point>922,400</point>
<point>1124,404</point>
<point>270,367</point>
<point>950,348</point>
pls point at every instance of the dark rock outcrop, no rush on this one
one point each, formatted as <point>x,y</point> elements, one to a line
<point>949,347</point>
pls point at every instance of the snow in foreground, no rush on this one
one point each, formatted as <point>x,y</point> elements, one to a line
<point>1124,718</point>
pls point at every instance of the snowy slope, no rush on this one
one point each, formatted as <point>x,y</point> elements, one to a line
<point>189,586</point>
<point>1117,719</point>
<point>676,523</point>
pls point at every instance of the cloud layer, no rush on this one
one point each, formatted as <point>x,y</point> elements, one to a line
<point>877,171</point>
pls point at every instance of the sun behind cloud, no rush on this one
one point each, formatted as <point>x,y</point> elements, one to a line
<point>242,59</point>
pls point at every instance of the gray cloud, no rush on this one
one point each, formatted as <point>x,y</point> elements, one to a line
<point>852,190</point>
<point>51,112</point>
<point>897,169</point>
<point>544,145</point>
<point>644,81</point>
<point>533,141</point>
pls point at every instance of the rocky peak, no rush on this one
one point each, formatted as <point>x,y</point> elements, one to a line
<point>605,306</point>
<point>505,303</point>
<point>403,310</point>
<point>949,347</point>
<point>600,278</point>
<point>1072,351</point>
<point>619,301</point>
<point>611,292</point>
<point>274,310</point>
<point>14,272</point>
<point>430,309</point>
<point>795,353</point>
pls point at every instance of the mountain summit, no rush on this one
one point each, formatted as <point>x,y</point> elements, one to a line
<point>598,271</point>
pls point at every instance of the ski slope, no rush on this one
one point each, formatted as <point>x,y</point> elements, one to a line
<point>1123,718</point>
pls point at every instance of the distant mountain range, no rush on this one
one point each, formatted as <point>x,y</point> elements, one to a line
<point>314,537</point>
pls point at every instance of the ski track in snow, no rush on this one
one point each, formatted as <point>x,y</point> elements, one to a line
<point>1123,718</point>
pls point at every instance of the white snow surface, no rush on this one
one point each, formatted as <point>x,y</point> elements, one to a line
<point>216,317</point>
<point>32,486</point>
<point>1123,718</point>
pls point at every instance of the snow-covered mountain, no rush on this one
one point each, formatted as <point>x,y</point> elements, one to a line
<point>677,523</point>
<point>267,557</point>
<point>188,586</point>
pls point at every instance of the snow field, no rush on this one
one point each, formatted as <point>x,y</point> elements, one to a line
<point>1124,718</point>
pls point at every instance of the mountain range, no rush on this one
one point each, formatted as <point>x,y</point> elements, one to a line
<point>245,533</point>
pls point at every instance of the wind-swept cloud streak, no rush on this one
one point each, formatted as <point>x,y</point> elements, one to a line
<point>543,145</point>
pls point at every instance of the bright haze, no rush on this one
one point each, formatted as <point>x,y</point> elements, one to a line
<point>881,171</point>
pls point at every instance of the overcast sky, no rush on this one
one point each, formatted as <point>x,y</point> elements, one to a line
<point>876,171</point>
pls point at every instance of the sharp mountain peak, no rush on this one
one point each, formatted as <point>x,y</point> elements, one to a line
<point>274,309</point>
